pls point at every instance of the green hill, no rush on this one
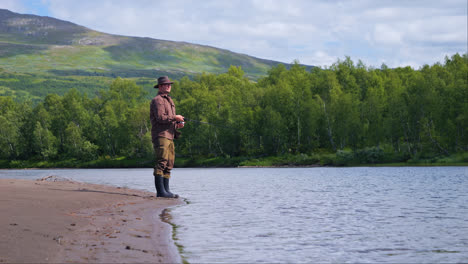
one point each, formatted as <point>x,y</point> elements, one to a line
<point>61,55</point>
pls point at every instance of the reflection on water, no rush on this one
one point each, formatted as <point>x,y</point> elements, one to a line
<point>391,215</point>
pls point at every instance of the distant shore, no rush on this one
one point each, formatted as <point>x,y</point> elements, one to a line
<point>287,161</point>
<point>60,221</point>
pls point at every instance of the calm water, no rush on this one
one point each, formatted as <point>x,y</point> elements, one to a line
<point>392,215</point>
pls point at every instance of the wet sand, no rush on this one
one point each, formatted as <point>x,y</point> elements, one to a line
<point>68,222</point>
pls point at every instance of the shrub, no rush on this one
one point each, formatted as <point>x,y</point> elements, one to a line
<point>370,155</point>
<point>344,157</point>
<point>327,159</point>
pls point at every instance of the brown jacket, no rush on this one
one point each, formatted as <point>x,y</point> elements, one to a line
<point>162,115</point>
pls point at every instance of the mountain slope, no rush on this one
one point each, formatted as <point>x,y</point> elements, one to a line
<point>44,45</point>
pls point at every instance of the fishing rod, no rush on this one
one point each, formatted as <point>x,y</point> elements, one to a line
<point>200,122</point>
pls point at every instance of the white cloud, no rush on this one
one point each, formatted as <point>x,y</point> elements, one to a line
<point>441,29</point>
<point>386,35</point>
<point>321,58</point>
<point>13,5</point>
<point>287,8</point>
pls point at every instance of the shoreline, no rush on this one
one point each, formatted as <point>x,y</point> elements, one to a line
<point>54,220</point>
<point>286,160</point>
<point>457,164</point>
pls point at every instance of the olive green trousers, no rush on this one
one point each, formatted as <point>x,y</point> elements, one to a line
<point>165,156</point>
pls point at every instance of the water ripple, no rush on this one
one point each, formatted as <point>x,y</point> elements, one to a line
<point>341,215</point>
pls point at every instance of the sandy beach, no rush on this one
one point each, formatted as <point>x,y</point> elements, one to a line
<point>47,221</point>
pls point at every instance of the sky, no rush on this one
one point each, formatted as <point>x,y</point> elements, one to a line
<point>397,33</point>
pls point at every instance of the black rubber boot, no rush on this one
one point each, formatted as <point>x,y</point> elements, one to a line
<point>166,187</point>
<point>160,191</point>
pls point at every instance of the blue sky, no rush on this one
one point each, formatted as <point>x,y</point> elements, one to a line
<point>315,32</point>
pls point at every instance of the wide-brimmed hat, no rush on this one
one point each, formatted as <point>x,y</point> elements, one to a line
<point>163,80</point>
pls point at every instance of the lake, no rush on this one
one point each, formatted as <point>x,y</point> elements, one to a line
<point>390,215</point>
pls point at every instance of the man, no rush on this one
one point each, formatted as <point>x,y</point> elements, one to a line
<point>164,125</point>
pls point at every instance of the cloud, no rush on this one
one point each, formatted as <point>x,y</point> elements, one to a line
<point>441,29</point>
<point>387,35</point>
<point>316,32</point>
<point>13,5</point>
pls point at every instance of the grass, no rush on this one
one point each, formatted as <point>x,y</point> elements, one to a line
<point>35,87</point>
<point>287,160</point>
<point>208,163</point>
<point>59,58</point>
<point>18,95</point>
<point>138,55</point>
<point>118,162</point>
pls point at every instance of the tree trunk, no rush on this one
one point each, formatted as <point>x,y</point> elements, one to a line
<point>329,130</point>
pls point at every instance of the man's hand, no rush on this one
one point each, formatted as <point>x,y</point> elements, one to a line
<point>180,121</point>
<point>179,118</point>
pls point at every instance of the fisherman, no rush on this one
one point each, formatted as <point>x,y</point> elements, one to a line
<point>164,129</point>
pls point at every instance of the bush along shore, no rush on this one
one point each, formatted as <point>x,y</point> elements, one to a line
<point>367,157</point>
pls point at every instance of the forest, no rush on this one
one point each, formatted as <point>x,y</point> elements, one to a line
<point>345,114</point>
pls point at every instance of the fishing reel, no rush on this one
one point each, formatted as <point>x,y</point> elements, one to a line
<point>180,122</point>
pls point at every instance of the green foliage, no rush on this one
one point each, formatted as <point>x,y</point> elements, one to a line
<point>345,115</point>
<point>283,160</point>
<point>345,157</point>
<point>369,155</point>
<point>76,146</point>
<point>44,142</point>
